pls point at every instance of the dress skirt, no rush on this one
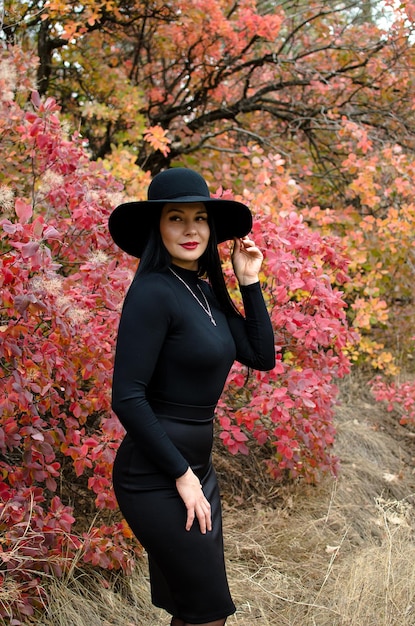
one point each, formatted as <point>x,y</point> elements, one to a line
<point>187,569</point>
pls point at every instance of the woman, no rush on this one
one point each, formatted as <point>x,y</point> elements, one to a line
<point>177,340</point>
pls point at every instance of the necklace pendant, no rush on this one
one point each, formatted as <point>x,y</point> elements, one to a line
<point>206,308</point>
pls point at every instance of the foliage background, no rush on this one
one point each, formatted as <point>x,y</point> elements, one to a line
<point>305,110</point>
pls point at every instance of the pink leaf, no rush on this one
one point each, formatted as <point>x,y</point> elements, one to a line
<point>10,228</point>
<point>38,437</point>
<point>29,249</point>
<point>23,211</point>
<point>50,232</point>
<point>36,99</point>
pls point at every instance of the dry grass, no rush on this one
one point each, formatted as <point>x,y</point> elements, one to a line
<point>340,554</point>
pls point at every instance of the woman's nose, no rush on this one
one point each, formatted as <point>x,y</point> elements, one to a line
<point>191,227</point>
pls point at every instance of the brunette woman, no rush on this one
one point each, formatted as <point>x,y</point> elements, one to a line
<point>178,337</point>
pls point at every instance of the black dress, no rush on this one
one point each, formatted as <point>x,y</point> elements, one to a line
<point>170,368</point>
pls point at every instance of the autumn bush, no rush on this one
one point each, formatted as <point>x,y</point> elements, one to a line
<point>60,302</point>
<point>398,397</point>
<point>376,222</point>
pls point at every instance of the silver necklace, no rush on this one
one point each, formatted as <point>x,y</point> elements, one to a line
<point>206,308</point>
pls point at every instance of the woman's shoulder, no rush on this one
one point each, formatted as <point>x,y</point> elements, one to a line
<point>147,279</point>
<point>150,286</point>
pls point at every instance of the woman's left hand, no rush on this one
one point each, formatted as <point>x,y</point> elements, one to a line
<point>247,260</point>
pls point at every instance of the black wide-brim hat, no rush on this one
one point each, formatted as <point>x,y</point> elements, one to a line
<point>130,223</point>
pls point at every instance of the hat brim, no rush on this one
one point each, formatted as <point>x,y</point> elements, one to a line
<point>130,223</point>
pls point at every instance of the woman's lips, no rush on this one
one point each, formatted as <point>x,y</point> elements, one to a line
<point>191,245</point>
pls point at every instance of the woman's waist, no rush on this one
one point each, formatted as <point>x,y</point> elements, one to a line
<point>182,412</point>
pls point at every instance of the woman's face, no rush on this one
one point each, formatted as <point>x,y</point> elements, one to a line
<point>185,232</point>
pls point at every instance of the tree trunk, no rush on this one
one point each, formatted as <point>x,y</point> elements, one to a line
<point>44,50</point>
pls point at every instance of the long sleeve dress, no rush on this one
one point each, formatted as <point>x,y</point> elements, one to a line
<point>171,365</point>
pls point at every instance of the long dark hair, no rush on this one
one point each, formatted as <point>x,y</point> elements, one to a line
<point>155,258</point>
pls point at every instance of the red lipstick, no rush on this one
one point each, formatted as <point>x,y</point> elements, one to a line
<point>190,245</point>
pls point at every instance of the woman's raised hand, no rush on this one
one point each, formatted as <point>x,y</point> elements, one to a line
<point>190,491</point>
<point>247,260</point>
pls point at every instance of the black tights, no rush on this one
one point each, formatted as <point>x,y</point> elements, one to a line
<point>175,621</point>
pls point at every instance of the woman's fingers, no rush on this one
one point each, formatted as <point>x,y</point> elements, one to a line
<point>205,521</point>
<point>201,511</point>
<point>247,260</point>
<point>190,490</point>
<point>190,518</point>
